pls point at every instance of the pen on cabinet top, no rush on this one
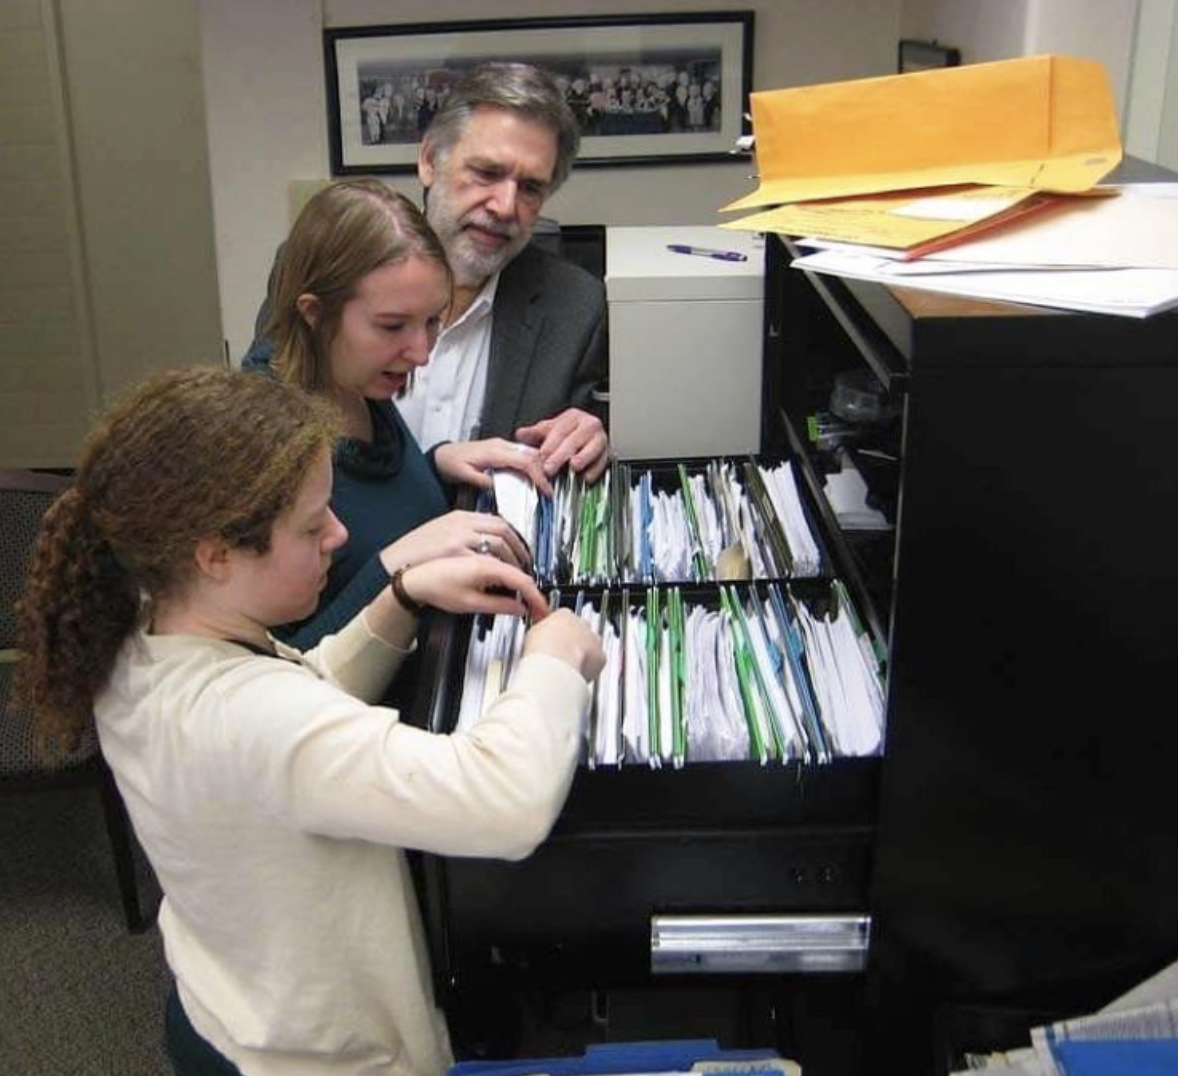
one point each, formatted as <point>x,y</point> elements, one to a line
<point>709,252</point>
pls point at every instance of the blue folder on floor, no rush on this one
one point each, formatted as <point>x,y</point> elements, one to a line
<point>672,1055</point>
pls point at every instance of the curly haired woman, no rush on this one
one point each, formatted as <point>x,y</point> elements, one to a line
<point>272,802</point>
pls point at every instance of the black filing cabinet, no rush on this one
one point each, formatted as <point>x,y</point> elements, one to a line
<point>1014,848</point>
<point>637,846</point>
<point>1025,863</point>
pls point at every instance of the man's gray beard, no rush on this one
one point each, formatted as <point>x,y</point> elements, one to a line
<point>470,266</point>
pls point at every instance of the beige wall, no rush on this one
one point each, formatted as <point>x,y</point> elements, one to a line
<point>1002,29</point>
<point>1096,29</point>
<point>47,377</point>
<point>982,31</point>
<point>1151,126</point>
<point>267,128</point>
<point>1167,153</point>
<point>106,217</point>
<point>137,107</point>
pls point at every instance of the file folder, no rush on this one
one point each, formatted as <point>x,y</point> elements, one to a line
<point>1106,1057</point>
<point>691,522</point>
<point>606,1059</point>
<point>734,673</point>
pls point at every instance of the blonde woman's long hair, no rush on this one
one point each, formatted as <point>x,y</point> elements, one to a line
<point>346,231</point>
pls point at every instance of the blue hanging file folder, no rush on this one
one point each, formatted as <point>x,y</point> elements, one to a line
<point>674,1055</point>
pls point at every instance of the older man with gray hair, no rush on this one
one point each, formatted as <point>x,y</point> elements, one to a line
<point>523,344</point>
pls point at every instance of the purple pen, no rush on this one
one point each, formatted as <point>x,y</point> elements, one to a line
<point>709,252</point>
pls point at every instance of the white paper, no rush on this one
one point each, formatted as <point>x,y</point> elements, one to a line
<point>1137,230</point>
<point>783,492</point>
<point>1125,292</point>
<point>952,207</point>
<point>516,498</point>
<point>635,728</point>
<point>847,493</point>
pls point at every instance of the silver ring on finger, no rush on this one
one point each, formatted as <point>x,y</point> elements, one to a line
<point>484,545</point>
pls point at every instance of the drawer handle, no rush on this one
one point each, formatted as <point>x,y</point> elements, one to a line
<point>750,944</point>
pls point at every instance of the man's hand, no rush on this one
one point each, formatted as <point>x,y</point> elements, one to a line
<point>574,437</point>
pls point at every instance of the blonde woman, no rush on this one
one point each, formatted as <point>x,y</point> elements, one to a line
<point>358,300</point>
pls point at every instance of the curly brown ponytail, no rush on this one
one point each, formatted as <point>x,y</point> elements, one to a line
<point>82,635</point>
<point>188,455</point>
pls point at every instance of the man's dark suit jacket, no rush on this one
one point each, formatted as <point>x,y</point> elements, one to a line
<point>548,348</point>
<point>547,342</point>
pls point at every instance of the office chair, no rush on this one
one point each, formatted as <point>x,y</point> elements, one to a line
<point>24,497</point>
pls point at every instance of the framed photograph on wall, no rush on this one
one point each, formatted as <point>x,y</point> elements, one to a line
<point>646,89</point>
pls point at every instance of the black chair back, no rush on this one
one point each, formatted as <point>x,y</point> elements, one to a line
<point>25,496</point>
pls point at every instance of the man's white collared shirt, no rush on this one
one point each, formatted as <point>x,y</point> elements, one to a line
<point>446,400</point>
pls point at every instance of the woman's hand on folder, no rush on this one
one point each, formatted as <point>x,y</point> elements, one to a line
<point>474,585</point>
<point>455,534</point>
<point>565,636</point>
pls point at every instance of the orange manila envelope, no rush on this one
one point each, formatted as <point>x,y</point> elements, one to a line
<point>1047,122</point>
<point>916,222</point>
<point>906,220</point>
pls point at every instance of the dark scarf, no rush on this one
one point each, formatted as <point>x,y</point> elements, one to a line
<point>380,458</point>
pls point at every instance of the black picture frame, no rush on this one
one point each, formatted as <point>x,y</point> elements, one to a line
<point>915,55</point>
<point>382,80</point>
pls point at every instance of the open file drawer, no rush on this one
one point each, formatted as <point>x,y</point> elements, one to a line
<point>600,902</point>
<point>785,545</point>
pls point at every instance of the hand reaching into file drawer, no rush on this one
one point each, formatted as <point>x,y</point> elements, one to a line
<point>565,636</point>
<point>458,533</point>
<point>574,438</point>
<point>468,585</point>
<point>470,462</point>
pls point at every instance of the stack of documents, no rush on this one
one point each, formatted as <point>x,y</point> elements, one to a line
<point>1115,255</point>
<point>990,170</point>
<point>719,520</point>
<point>1136,1035</point>
<point>763,676</point>
<point>915,223</point>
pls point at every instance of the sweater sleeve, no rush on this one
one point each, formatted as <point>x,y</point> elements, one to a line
<point>356,659</point>
<point>335,767</point>
<point>431,457</point>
